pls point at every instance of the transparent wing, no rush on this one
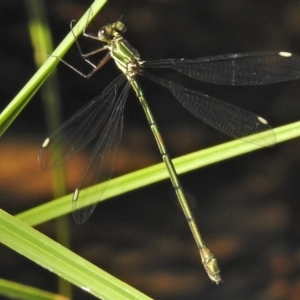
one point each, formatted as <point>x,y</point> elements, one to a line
<point>236,69</point>
<point>80,129</point>
<point>227,118</point>
<point>101,164</point>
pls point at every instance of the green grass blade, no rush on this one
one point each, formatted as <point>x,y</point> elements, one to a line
<point>138,179</point>
<point>41,40</point>
<point>56,258</point>
<point>15,290</point>
<point>23,97</point>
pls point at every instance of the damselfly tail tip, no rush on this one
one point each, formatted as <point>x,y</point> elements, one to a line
<point>210,265</point>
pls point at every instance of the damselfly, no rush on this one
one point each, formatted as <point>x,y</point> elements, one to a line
<point>102,117</point>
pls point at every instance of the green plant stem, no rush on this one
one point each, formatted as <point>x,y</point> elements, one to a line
<point>14,290</point>
<point>49,254</point>
<point>138,179</point>
<point>13,109</point>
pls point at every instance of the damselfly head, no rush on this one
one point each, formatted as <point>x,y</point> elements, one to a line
<point>110,31</point>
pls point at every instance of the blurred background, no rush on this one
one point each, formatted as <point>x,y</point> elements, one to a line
<point>247,208</point>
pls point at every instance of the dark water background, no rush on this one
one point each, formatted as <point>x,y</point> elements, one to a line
<point>247,208</point>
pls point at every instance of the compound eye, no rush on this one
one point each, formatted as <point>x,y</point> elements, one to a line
<point>120,26</point>
<point>102,34</point>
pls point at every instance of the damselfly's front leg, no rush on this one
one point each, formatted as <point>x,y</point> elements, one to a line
<point>86,55</point>
<point>96,67</point>
<point>102,62</point>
